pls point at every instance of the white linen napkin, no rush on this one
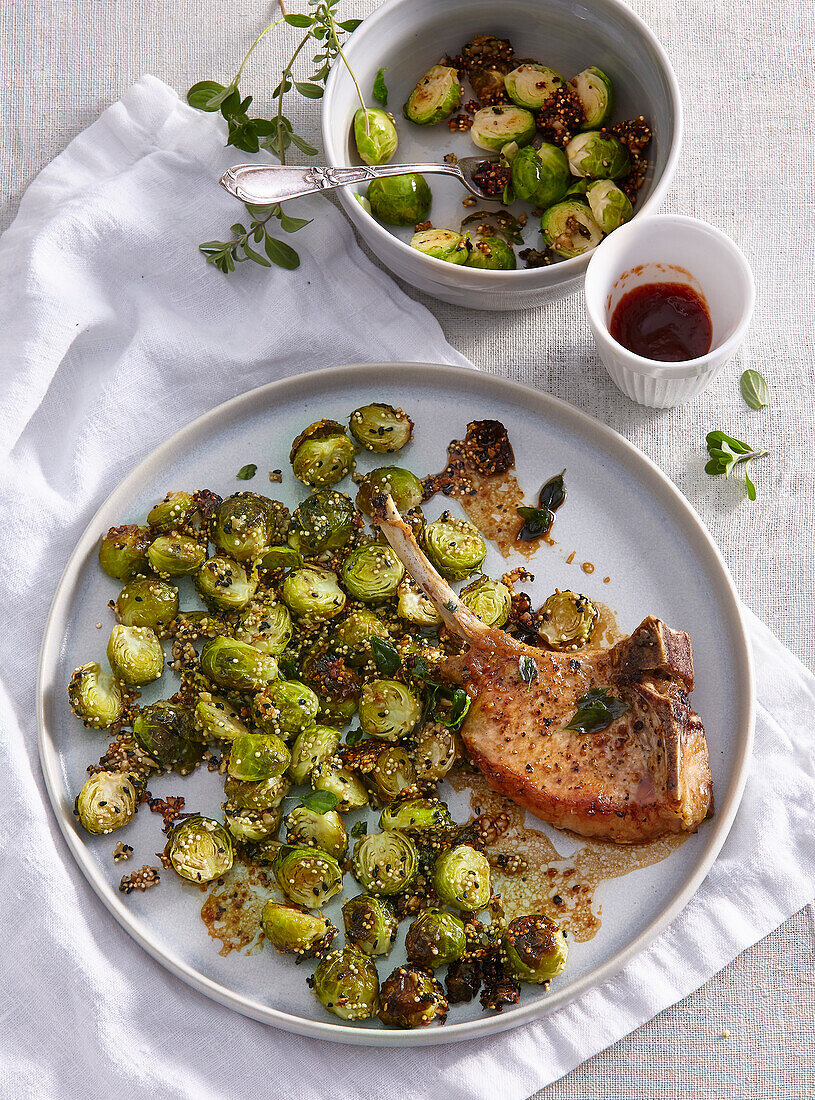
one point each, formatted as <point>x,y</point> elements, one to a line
<point>114,334</point>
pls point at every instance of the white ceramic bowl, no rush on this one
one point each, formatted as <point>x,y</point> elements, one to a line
<point>669,248</point>
<point>408,36</point>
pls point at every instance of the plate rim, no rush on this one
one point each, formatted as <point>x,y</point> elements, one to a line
<point>537,401</point>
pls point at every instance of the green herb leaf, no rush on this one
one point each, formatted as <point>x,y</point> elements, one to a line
<point>202,94</point>
<point>302,145</point>
<point>310,91</point>
<point>527,670</point>
<point>291,225</point>
<point>320,802</point>
<point>386,656</point>
<point>359,828</point>
<point>350,24</point>
<point>457,712</point>
<point>247,472</point>
<point>749,486</point>
<point>281,253</point>
<point>299,20</point>
<point>726,453</point>
<point>256,256</point>
<point>754,389</point>
<point>596,710</point>
<point>553,494</point>
<point>380,91</point>
<point>537,522</point>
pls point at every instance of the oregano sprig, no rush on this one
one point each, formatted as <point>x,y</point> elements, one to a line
<point>726,453</point>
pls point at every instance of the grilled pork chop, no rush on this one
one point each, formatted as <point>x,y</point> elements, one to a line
<point>644,776</point>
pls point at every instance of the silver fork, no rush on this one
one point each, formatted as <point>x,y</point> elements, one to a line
<point>263,184</point>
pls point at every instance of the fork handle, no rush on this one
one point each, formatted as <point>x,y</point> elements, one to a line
<point>264,184</point>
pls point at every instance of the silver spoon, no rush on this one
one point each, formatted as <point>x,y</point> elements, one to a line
<point>263,184</point>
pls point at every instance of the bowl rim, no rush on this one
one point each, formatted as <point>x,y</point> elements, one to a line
<point>564,270</point>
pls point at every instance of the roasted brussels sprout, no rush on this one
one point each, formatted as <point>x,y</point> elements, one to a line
<point>224,583</point>
<point>411,997</point>
<point>531,85</point>
<point>95,696</point>
<point>106,802</point>
<point>434,751</point>
<point>490,600</point>
<point>217,719</point>
<point>307,876</point>
<point>400,200</point>
<point>536,948</point>
<point>247,826</point>
<point>494,127</point>
<point>278,558</point>
<point>598,155</point>
<point>385,863</point>
<point>540,176</point>
<point>245,524</point>
<point>435,97</point>
<point>237,665</point>
<point>146,601</point>
<point>266,625</point>
<point>593,88</point>
<point>323,454</point>
<point>255,756</point>
<point>176,555</point>
<point>566,620</point>
<point>135,654</point>
<point>285,707</point>
<point>375,135</point>
<point>461,878</point>
<point>611,206</point>
<point>414,606</point>
<point>405,488</point>
<point>569,228</point>
<point>308,829</point>
<point>264,794</point>
<point>388,709</point>
<point>123,551</point>
<point>372,573</point>
<point>392,773</point>
<point>311,747</point>
<point>416,815</point>
<point>352,639</point>
<point>435,938</point>
<point>347,984</point>
<point>165,730</point>
<point>323,521</point>
<point>369,924</point>
<point>442,244</point>
<point>312,592</point>
<point>578,189</point>
<point>346,786</point>
<point>463,980</point>
<point>199,849</point>
<point>171,513</point>
<point>295,931</point>
<point>455,546</point>
<point>491,254</point>
<point>381,428</point>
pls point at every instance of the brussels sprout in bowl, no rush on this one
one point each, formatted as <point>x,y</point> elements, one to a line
<point>409,37</point>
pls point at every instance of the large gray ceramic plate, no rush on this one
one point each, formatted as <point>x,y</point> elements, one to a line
<point>622,514</point>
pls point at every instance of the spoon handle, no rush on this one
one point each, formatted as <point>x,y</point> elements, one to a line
<point>264,184</point>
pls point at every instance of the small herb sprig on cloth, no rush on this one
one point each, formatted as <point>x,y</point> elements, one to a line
<point>726,453</point>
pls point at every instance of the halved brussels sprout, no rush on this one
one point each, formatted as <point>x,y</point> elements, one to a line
<point>311,747</point>
<point>488,86</point>
<point>369,924</point>
<point>347,984</point>
<point>146,601</point>
<point>295,931</point>
<point>536,948</point>
<point>352,639</point>
<point>434,751</point>
<point>264,794</point>
<point>224,583</point>
<point>435,97</point>
<point>322,454</point>
<point>307,876</point>
<point>411,997</point>
<point>323,521</point>
<point>385,863</point>
<point>442,244</point>
<point>308,829</point>
<point>237,665</point>
<point>400,200</point>
<point>494,127</point>
<point>95,696</point>
<point>414,606</point>
<point>455,546</point>
<point>245,524</point>
<point>176,555</point>
<point>416,815</point>
<point>372,573</point>
<point>611,206</point>
<point>593,88</point>
<point>199,849</point>
<point>375,135</point>
<point>461,878</point>
<point>392,773</point>
<point>435,938</point>
<point>491,254</point>
<point>266,625</point>
<point>531,85</point>
<point>388,709</point>
<point>165,731</point>
<point>106,802</point>
<point>255,756</point>
<point>566,620</point>
<point>312,592</point>
<point>278,558</point>
<point>598,155</point>
<point>346,786</point>
<point>247,826</point>
<point>171,513</point>
<point>405,488</point>
<point>578,189</point>
<point>123,551</point>
<point>540,176</point>
<point>135,654</point>
<point>490,600</point>
<point>285,707</point>
<point>217,719</point>
<point>381,428</point>
<point>569,228</point>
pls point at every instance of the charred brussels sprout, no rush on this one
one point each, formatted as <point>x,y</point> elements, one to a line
<point>307,876</point>
<point>488,599</point>
<point>199,849</point>
<point>461,878</point>
<point>531,85</point>
<point>414,606</point>
<point>313,593</point>
<point>216,719</point>
<point>388,709</point>
<point>165,730</point>
<point>375,135</point>
<point>611,206</point>
<point>536,948</point>
<point>540,176</point>
<point>225,584</point>
<point>265,794</point>
<point>237,665</point>
<point>311,747</point>
<point>434,751</point>
<point>455,546</point>
<point>569,228</point>
<point>95,696</point>
<point>135,654</point>
<point>593,88</point>
<point>598,155</point>
<point>123,551</point>
<point>442,244</point>
<point>256,756</point>
<point>176,555</point>
<point>372,573</point>
<point>385,863</point>
<point>149,602</point>
<point>171,513</point>
<point>294,931</point>
<point>324,521</point>
<point>245,524</point>
<point>347,984</point>
<point>285,707</point>
<point>416,815</point>
<point>392,773</point>
<point>491,254</point>
<point>403,486</point>
<point>322,454</point>
<point>352,639</point>
<point>266,625</point>
<point>106,802</point>
<point>435,97</point>
<point>435,938</point>
<point>381,428</point>
<point>400,200</point>
<point>370,924</point>
<point>248,826</point>
<point>566,620</point>
<point>307,828</point>
<point>411,997</point>
<point>346,786</point>
<point>494,127</point>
